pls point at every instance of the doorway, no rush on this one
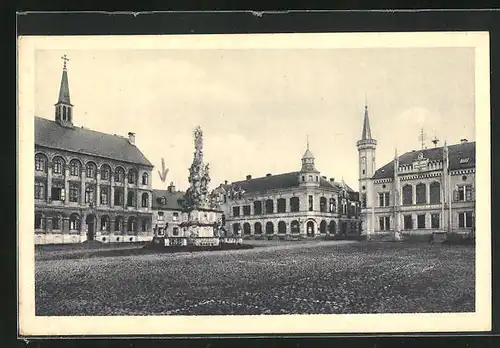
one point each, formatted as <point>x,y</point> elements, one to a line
<point>310,228</point>
<point>90,220</point>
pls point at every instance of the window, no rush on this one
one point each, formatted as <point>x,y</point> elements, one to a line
<point>317,178</point>
<point>465,193</point>
<point>384,223</point>
<point>73,192</point>
<point>40,163</point>
<point>435,193</point>
<point>257,207</point>
<point>434,220</point>
<point>175,216</point>
<point>281,205</point>
<point>236,228</point>
<point>408,222</point>
<point>407,195</point>
<point>56,223</point>
<point>118,197</point>
<point>89,194</point>
<point>311,205</point>
<point>421,197</point>
<point>39,222</point>
<point>236,211</point>
<point>383,199</point>
<point>74,168</point>
<point>175,231</point>
<point>465,219</point>
<point>160,216</point>
<point>118,223</point>
<point>303,178</point>
<point>105,170</point>
<point>131,177</point>
<point>269,227</point>
<point>58,163</point>
<point>269,206</point>
<point>145,200</point>
<point>144,225</point>
<point>332,227</point>
<point>39,190</point>
<point>246,228</point>
<point>145,178</point>
<point>322,205</point>
<point>74,222</point>
<point>57,192</point>
<point>295,227</point>
<point>163,200</point>
<point>90,170</point>
<point>421,221</point>
<point>246,210</point>
<point>363,200</point>
<point>160,231</point>
<point>105,223</point>
<point>104,195</point>
<point>119,174</point>
<point>281,227</point>
<point>322,227</point>
<point>258,228</point>
<point>294,204</point>
<point>130,199</point>
<point>131,224</point>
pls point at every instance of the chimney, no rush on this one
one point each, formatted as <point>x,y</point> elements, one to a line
<point>249,177</point>
<point>131,138</point>
<point>268,175</point>
<point>332,179</point>
<point>225,182</point>
<point>171,187</point>
<point>463,141</point>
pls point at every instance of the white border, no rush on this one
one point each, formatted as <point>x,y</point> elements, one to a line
<point>29,324</point>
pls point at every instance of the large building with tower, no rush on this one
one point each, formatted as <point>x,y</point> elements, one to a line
<point>426,193</point>
<point>295,205</point>
<point>88,185</point>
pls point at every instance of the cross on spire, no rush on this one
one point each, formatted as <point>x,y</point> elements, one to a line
<point>65,60</point>
<point>307,140</point>
<point>421,137</point>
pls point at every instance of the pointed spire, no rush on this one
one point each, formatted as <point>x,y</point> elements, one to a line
<point>366,134</point>
<point>308,153</point>
<point>64,89</point>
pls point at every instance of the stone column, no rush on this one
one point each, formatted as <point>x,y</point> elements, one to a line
<point>125,192</point>
<point>111,190</point>
<point>427,193</point>
<point>49,182</point>
<point>413,194</point>
<point>98,188</point>
<point>137,203</point>
<point>82,187</point>
<point>66,184</point>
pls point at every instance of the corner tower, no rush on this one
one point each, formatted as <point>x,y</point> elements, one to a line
<point>309,175</point>
<point>63,107</point>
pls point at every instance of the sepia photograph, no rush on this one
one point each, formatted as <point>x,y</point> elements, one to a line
<point>254,183</point>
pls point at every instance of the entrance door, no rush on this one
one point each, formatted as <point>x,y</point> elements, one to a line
<point>310,229</point>
<point>90,220</point>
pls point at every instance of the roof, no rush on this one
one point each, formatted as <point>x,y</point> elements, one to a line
<point>82,140</point>
<point>173,199</point>
<point>64,89</point>
<point>366,133</point>
<point>280,181</point>
<point>455,154</point>
<point>308,154</point>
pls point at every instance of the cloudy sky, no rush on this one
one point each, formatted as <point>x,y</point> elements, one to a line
<point>256,107</point>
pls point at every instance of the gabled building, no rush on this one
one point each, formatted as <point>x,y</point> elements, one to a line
<point>295,205</point>
<point>167,212</point>
<point>419,193</point>
<point>89,185</point>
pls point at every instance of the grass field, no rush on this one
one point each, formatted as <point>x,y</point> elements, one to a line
<point>273,278</point>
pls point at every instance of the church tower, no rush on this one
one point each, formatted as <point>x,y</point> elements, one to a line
<point>309,175</point>
<point>63,107</point>
<point>366,157</point>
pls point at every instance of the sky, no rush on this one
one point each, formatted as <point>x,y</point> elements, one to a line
<point>258,106</point>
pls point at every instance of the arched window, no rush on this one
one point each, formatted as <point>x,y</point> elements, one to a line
<point>104,195</point>
<point>295,227</point>
<point>90,170</point>
<point>435,193</point>
<point>281,205</point>
<point>421,197</point>
<point>269,227</point>
<point>132,176</point>
<point>118,197</point>
<point>74,168</point>
<point>131,224</point>
<point>269,206</point>
<point>322,205</point>
<point>118,223</point>
<point>258,228</point>
<point>236,228</point>
<point>257,208</point>
<point>144,225</point>
<point>281,227</point>
<point>322,227</point>
<point>105,223</point>
<point>246,228</point>
<point>40,163</point>
<point>105,171</point>
<point>130,199</point>
<point>119,173</point>
<point>89,194</point>
<point>145,200</point>
<point>294,204</point>
<point>56,222</point>
<point>74,222</point>
<point>39,190</point>
<point>333,205</point>
<point>145,178</point>
<point>39,222</point>
<point>58,165</point>
<point>407,195</point>
<point>332,227</point>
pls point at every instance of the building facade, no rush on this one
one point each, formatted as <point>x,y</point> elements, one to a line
<point>420,193</point>
<point>88,185</point>
<point>167,212</point>
<point>294,205</point>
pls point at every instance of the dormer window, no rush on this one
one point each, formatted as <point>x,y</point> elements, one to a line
<point>464,160</point>
<point>163,200</point>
